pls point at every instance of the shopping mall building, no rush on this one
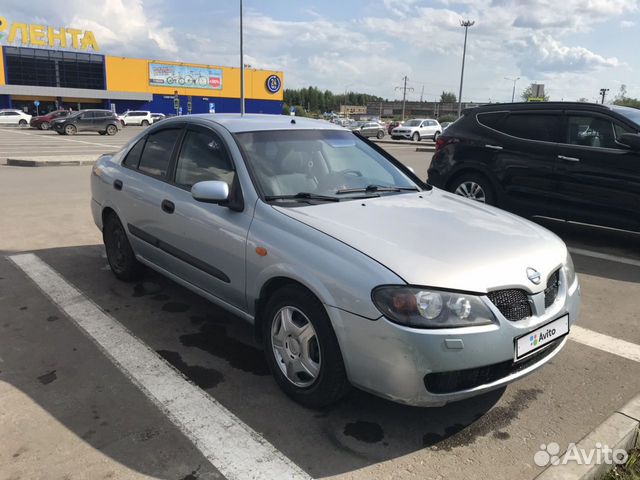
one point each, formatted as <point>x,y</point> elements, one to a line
<point>63,68</point>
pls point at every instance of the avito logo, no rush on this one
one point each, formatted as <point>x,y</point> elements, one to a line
<point>535,339</point>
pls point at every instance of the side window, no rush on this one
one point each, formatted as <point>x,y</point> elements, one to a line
<point>203,157</point>
<point>591,131</point>
<point>491,119</point>
<point>531,126</point>
<point>157,152</point>
<point>133,157</point>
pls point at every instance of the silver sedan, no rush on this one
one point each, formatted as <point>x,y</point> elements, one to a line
<point>352,270</point>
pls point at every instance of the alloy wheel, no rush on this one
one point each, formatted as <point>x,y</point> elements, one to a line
<point>471,190</point>
<point>295,346</point>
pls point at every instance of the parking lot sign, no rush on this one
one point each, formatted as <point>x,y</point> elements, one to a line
<point>212,107</point>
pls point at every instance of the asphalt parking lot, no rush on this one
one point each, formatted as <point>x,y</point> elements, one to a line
<point>68,411</point>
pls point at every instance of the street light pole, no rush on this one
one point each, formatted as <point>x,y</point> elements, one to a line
<point>466,24</point>
<point>513,93</point>
<point>241,65</point>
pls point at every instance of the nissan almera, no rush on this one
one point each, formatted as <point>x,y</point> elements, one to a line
<point>351,269</point>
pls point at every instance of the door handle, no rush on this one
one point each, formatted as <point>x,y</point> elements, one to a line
<point>494,147</point>
<point>168,206</point>
<point>568,159</point>
<point>117,184</point>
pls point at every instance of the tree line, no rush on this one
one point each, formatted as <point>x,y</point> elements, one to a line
<point>313,99</point>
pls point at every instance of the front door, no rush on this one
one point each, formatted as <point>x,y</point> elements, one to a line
<point>600,178</point>
<point>209,240</point>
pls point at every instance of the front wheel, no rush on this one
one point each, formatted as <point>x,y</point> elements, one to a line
<point>302,349</point>
<point>45,126</point>
<point>111,130</point>
<point>70,130</point>
<point>120,256</point>
<point>474,186</point>
<point>415,137</point>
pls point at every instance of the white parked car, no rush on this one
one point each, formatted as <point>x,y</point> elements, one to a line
<point>14,117</point>
<point>137,117</point>
<point>416,129</point>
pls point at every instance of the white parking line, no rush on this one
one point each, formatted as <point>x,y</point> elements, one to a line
<point>64,139</point>
<point>605,256</point>
<point>236,450</point>
<point>622,348</point>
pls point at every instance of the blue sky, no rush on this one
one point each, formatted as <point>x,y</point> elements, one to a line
<point>574,47</point>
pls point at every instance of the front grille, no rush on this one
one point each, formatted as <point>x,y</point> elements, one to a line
<point>457,380</point>
<point>551,292</point>
<point>513,303</point>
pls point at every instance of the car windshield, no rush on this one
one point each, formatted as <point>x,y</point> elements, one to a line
<point>412,123</point>
<point>632,114</point>
<point>317,163</point>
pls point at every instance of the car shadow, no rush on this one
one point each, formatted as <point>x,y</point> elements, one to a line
<point>217,351</point>
<point>601,241</point>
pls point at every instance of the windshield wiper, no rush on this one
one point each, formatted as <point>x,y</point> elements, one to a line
<point>302,196</point>
<point>376,188</point>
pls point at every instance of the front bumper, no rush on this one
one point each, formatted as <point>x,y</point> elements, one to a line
<point>396,135</point>
<point>393,361</point>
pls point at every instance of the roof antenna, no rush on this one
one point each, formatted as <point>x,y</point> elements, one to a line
<point>241,66</point>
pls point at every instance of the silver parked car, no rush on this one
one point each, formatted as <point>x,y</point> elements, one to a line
<point>352,270</point>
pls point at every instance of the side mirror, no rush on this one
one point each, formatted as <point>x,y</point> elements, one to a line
<point>210,191</point>
<point>631,140</point>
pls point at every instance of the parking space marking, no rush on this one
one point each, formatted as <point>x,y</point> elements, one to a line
<point>605,256</point>
<point>64,139</point>
<point>622,348</point>
<point>236,450</point>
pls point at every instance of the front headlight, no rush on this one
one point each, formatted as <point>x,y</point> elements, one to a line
<point>425,308</point>
<point>569,270</point>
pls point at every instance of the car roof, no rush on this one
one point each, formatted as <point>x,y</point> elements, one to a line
<point>539,106</point>
<point>237,123</point>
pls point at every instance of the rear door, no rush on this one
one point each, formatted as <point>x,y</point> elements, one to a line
<point>600,178</point>
<point>142,188</point>
<point>525,154</point>
<point>85,121</point>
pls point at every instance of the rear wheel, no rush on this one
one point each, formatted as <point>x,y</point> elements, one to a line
<point>122,260</point>
<point>70,130</point>
<point>145,123</point>
<point>380,134</point>
<point>302,349</point>
<point>474,186</point>
<point>111,130</point>
<point>22,122</point>
<point>415,137</point>
<point>435,136</point>
<point>45,126</point>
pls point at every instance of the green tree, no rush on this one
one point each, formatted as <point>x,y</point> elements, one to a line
<point>624,101</point>
<point>448,97</point>
<point>527,93</point>
<point>285,109</point>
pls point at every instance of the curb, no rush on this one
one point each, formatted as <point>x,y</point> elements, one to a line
<point>620,430</point>
<point>19,162</point>
<point>425,149</point>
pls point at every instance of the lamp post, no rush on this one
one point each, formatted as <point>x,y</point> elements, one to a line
<point>466,24</point>
<point>241,65</point>
<point>513,93</point>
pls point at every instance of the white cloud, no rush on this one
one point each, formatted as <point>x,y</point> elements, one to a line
<point>627,24</point>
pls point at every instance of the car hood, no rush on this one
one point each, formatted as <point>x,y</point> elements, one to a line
<point>437,239</point>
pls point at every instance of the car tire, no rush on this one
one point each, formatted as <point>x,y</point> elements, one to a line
<point>415,137</point>
<point>144,123</point>
<point>111,130</point>
<point>70,130</point>
<point>474,186</point>
<point>307,316</point>
<point>22,122</point>
<point>380,135</point>
<point>436,135</point>
<point>120,255</point>
<point>45,126</point>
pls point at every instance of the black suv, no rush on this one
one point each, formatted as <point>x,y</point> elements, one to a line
<point>573,161</point>
<point>104,122</point>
